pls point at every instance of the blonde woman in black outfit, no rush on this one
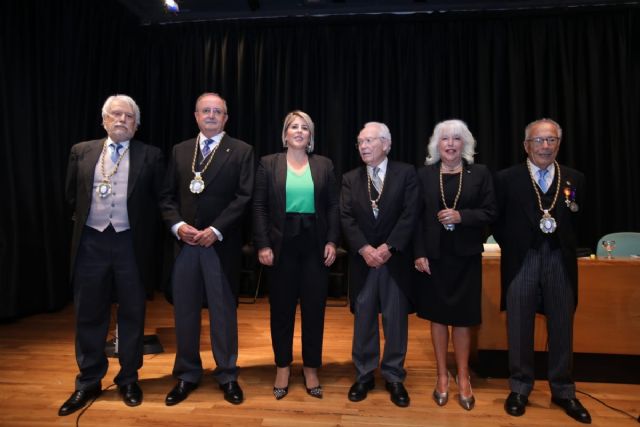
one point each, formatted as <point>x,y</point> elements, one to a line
<point>296,229</point>
<point>458,201</point>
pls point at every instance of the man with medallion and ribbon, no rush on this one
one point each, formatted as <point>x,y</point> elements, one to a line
<point>113,186</point>
<point>378,209</point>
<point>536,231</point>
<point>206,193</point>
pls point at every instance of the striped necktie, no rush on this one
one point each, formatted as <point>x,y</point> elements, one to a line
<point>207,148</point>
<point>375,179</point>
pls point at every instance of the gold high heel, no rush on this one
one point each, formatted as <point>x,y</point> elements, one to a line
<point>441,399</point>
<point>469,402</point>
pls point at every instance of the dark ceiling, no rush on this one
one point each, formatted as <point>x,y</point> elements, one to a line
<point>154,11</point>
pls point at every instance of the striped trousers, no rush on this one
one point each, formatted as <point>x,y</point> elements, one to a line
<point>542,282</point>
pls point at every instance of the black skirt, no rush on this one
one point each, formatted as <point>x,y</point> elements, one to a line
<point>451,295</point>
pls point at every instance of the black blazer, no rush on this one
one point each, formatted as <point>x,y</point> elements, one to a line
<point>477,207</point>
<point>269,201</point>
<point>146,172</point>
<point>518,222</point>
<point>222,204</point>
<point>395,224</point>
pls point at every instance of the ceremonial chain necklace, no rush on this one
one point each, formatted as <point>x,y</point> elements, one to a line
<point>450,227</point>
<point>196,185</point>
<point>448,169</point>
<point>547,222</point>
<point>374,203</point>
<point>104,188</point>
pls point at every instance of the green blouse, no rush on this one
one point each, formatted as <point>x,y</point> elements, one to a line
<point>299,192</point>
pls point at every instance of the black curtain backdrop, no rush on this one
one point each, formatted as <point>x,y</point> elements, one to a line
<point>496,70</point>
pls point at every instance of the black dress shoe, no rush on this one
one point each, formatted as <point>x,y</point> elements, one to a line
<point>398,393</point>
<point>131,394</point>
<point>78,400</point>
<point>574,409</point>
<point>232,392</point>
<point>179,392</point>
<point>358,391</point>
<point>515,403</point>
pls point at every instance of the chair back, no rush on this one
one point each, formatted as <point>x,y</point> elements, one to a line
<point>627,244</point>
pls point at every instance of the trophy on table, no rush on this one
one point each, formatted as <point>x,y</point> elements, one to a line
<point>609,246</point>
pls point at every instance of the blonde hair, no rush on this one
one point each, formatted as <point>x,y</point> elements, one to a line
<point>307,119</point>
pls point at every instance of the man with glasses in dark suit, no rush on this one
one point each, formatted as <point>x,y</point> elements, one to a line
<point>378,208</point>
<point>539,201</point>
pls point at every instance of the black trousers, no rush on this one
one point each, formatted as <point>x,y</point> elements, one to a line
<point>299,273</point>
<point>105,266</point>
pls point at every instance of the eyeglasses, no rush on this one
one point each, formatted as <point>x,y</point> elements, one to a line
<point>214,111</point>
<point>551,140</point>
<point>366,141</point>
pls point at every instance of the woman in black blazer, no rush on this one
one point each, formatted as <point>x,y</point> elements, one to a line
<point>458,202</point>
<point>296,229</point>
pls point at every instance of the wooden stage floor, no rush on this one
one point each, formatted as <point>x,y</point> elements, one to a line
<point>37,370</point>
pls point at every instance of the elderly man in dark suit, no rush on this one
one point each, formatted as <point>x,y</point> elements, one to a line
<point>378,210</point>
<point>113,185</point>
<point>539,201</point>
<point>209,184</point>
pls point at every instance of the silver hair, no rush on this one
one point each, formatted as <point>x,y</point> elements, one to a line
<point>527,130</point>
<point>307,119</point>
<point>224,101</point>
<point>455,127</point>
<point>124,98</point>
<point>383,132</point>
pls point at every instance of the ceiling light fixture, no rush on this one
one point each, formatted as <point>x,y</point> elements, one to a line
<point>172,6</point>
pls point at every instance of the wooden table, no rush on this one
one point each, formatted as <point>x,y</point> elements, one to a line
<point>607,319</point>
